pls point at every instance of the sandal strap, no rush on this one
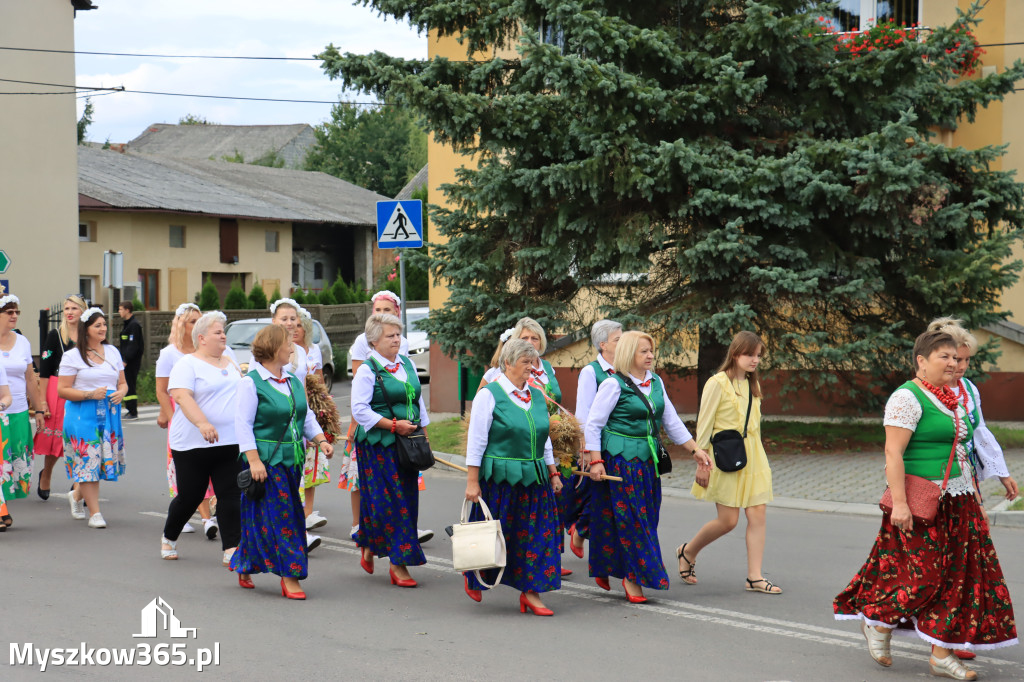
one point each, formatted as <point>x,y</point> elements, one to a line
<point>768,585</point>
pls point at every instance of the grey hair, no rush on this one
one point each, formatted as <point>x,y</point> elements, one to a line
<point>204,323</point>
<point>375,326</point>
<point>514,351</point>
<point>602,330</point>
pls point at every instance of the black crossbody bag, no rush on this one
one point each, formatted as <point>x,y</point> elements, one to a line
<point>730,453</point>
<point>664,460</point>
<point>412,451</point>
<point>253,489</point>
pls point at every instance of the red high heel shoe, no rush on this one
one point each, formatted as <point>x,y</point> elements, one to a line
<point>247,583</point>
<point>401,582</point>
<point>475,595</point>
<point>603,583</point>
<point>566,572</point>
<point>537,610</point>
<point>632,598</point>
<point>291,595</point>
<point>578,551</point>
<point>367,565</point>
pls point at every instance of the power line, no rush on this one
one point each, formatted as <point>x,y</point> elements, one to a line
<point>161,56</point>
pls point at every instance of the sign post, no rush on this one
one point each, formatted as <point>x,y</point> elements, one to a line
<point>400,226</point>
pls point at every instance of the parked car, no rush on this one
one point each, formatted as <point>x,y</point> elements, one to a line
<point>242,332</point>
<point>419,344</point>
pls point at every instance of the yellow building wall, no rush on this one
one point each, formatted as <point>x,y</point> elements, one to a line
<point>144,238</point>
<point>39,164</point>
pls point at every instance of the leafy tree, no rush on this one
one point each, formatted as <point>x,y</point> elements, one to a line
<point>85,121</point>
<point>705,166</point>
<point>258,298</point>
<point>373,147</point>
<point>194,120</point>
<point>209,299</point>
<point>236,298</point>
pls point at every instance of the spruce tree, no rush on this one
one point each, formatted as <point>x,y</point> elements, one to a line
<point>704,166</point>
<point>257,297</point>
<point>209,299</point>
<point>236,299</point>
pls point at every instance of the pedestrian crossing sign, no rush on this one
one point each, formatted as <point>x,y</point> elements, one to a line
<point>400,224</point>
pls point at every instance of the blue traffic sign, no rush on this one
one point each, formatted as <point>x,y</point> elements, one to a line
<point>400,224</point>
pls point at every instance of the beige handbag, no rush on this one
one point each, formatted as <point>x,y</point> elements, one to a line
<point>478,545</point>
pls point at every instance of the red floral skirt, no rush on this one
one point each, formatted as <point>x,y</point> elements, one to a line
<point>944,581</point>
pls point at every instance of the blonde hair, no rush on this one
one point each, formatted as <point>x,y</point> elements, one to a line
<point>744,343</point>
<point>629,342</point>
<point>177,336</point>
<point>63,329</point>
<point>307,331</point>
<point>955,328</point>
<point>517,332</point>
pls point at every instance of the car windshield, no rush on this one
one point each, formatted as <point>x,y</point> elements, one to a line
<point>414,319</point>
<point>241,334</point>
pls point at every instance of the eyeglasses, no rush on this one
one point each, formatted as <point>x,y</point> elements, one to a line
<point>13,312</point>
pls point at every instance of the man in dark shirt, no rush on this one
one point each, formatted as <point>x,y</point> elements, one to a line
<point>131,352</point>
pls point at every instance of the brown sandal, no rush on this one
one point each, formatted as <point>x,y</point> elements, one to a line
<point>688,576</point>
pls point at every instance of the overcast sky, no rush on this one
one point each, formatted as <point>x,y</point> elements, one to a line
<point>296,28</point>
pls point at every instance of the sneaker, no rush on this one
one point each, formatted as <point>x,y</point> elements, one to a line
<point>76,506</point>
<point>210,527</point>
<point>187,528</point>
<point>314,520</point>
<point>96,521</point>
<point>424,535</point>
<point>129,417</point>
<point>312,542</point>
<point>355,529</point>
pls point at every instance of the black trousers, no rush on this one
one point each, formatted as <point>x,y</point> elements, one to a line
<point>195,469</point>
<point>131,375</point>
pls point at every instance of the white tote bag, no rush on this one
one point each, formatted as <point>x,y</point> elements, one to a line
<point>478,545</point>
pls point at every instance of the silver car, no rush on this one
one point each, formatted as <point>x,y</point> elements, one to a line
<point>419,344</point>
<point>242,332</point>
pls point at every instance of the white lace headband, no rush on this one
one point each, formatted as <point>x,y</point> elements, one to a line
<point>507,334</point>
<point>284,301</point>
<point>9,298</point>
<point>88,314</point>
<point>305,313</point>
<point>387,294</point>
<point>185,307</point>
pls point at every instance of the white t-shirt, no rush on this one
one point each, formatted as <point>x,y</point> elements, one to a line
<point>215,391</point>
<point>301,362</point>
<point>361,350</point>
<point>16,361</point>
<point>314,359</point>
<point>97,375</point>
<point>169,355</point>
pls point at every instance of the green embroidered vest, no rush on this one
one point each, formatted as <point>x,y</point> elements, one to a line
<point>629,432</point>
<point>928,450</point>
<point>402,396</point>
<point>273,411</point>
<point>599,372</point>
<point>515,442</point>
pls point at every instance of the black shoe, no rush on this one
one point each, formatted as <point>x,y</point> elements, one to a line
<point>43,494</point>
<point>130,417</point>
<point>7,521</point>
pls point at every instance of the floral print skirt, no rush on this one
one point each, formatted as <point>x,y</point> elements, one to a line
<point>49,441</point>
<point>529,521</point>
<point>274,527</point>
<point>317,469</point>
<point>16,459</point>
<point>93,441</point>
<point>943,581</point>
<point>574,503</point>
<point>389,503</point>
<point>624,524</point>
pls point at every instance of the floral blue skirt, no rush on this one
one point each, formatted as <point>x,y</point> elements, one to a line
<point>93,441</point>
<point>529,521</point>
<point>389,502</point>
<point>624,524</point>
<point>274,527</point>
<point>574,504</point>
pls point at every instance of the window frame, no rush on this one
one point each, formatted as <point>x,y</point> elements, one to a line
<point>170,236</point>
<point>277,241</point>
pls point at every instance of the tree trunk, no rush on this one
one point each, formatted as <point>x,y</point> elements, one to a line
<point>710,354</point>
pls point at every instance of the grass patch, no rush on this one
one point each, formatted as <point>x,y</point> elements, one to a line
<point>145,387</point>
<point>817,437</point>
<point>1018,505</point>
<point>1008,438</point>
<point>446,436</point>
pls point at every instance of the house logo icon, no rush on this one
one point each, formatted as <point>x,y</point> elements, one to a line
<point>157,615</point>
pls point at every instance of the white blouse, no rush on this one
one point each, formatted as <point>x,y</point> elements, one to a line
<point>987,448</point>
<point>608,396</point>
<point>215,391</point>
<point>16,362</point>
<point>97,375</point>
<point>361,349</point>
<point>362,393</point>
<point>248,401</point>
<point>586,388</point>
<point>480,419</point>
<point>903,410</point>
<point>314,359</point>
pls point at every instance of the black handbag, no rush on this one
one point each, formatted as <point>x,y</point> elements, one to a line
<point>730,453</point>
<point>664,460</point>
<point>253,489</point>
<point>413,451</point>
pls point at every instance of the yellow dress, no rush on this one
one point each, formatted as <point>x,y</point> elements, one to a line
<point>723,406</point>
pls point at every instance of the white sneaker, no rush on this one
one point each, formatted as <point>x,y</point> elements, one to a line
<point>96,521</point>
<point>76,506</point>
<point>210,527</point>
<point>187,528</point>
<point>314,520</point>
<point>312,542</point>
<point>424,535</point>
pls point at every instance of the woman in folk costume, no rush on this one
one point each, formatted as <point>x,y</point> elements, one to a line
<point>512,468</point>
<point>605,335</point>
<point>317,469</point>
<point>5,402</point>
<point>622,440</point>
<point>271,421</point>
<point>387,401</point>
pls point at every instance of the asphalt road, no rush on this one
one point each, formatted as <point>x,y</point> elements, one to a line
<point>65,585</point>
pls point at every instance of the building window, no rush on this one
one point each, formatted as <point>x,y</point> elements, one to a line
<point>273,237</point>
<point>295,273</point>
<point>87,232</point>
<point>318,270</point>
<point>149,280</point>
<point>855,15</point>
<point>228,240</point>
<point>85,287</point>
<point>177,236</point>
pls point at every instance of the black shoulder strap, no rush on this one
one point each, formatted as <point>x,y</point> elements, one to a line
<point>750,401</point>
<point>650,408</point>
